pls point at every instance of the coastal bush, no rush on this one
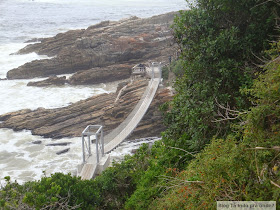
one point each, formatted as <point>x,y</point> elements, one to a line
<point>59,191</point>
<point>177,68</point>
<point>148,183</point>
<point>219,42</point>
<point>165,73</point>
<point>244,166</point>
<point>261,131</point>
<point>224,171</point>
<point>11,195</point>
<point>63,191</point>
<point>117,183</point>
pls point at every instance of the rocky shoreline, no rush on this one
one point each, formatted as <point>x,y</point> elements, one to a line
<point>100,48</point>
<point>103,109</point>
<point>102,53</point>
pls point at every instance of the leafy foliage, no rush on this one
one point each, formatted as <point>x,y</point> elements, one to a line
<point>56,192</point>
<point>218,41</point>
<point>60,191</point>
<point>165,73</point>
<point>177,68</point>
<point>231,169</point>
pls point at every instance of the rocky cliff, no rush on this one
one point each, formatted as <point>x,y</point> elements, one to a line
<point>96,49</point>
<point>106,109</point>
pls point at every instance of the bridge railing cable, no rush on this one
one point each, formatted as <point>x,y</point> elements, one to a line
<point>144,102</point>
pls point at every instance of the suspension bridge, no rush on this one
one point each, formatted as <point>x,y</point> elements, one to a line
<point>97,159</point>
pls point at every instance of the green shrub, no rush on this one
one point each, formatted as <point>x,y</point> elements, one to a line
<point>219,41</point>
<point>244,166</point>
<point>177,68</point>
<point>165,73</point>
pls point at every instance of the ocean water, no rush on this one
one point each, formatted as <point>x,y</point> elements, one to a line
<point>22,20</point>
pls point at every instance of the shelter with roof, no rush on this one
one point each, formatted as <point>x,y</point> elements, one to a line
<point>139,69</point>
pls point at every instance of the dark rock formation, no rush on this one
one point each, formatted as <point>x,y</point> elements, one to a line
<point>34,40</point>
<point>129,41</point>
<point>121,85</point>
<point>62,151</point>
<point>59,144</point>
<point>37,142</point>
<point>103,109</point>
<point>52,46</point>
<point>101,75</point>
<point>53,80</point>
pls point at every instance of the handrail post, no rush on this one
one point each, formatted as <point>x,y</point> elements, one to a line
<point>153,71</point>
<point>96,141</point>
<point>160,73</point>
<point>83,146</point>
<point>102,142</point>
<point>89,148</point>
<point>89,131</point>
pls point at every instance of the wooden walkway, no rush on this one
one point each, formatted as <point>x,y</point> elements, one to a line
<point>127,127</point>
<point>118,135</point>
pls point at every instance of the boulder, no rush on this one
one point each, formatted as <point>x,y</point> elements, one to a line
<point>62,151</point>
<point>53,80</point>
<point>37,142</point>
<point>59,144</point>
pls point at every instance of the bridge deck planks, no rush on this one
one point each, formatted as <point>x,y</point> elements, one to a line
<point>89,169</point>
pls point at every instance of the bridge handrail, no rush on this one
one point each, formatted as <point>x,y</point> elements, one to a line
<point>113,134</point>
<point>123,124</point>
<point>114,138</point>
<point>99,141</point>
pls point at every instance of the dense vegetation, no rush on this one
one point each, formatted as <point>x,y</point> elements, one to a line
<point>222,141</point>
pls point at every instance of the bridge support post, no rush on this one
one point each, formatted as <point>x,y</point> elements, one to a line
<point>97,153</point>
<point>90,130</point>
<point>160,71</point>
<point>102,143</point>
<point>89,147</point>
<point>153,71</point>
<point>83,147</point>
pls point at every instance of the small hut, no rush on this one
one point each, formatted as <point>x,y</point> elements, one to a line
<point>139,69</point>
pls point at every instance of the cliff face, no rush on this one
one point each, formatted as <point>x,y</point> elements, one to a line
<point>105,109</point>
<point>129,42</point>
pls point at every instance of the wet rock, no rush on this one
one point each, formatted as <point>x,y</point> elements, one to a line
<point>34,40</point>
<point>101,75</point>
<point>120,86</point>
<point>51,46</point>
<point>36,142</point>
<point>59,144</point>
<point>62,151</point>
<point>13,114</point>
<point>134,151</point>
<point>53,80</point>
